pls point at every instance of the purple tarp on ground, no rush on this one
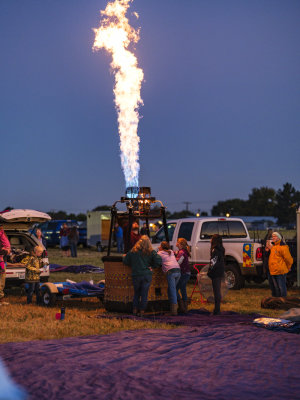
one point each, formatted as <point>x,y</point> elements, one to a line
<point>216,360</point>
<point>76,269</point>
<point>199,318</point>
<point>194,318</point>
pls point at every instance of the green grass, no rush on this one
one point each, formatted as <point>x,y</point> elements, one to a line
<point>85,256</point>
<point>22,322</point>
<point>287,234</point>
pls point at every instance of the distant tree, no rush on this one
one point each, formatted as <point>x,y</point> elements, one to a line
<point>234,207</point>
<point>204,214</point>
<point>181,214</point>
<point>156,209</point>
<point>81,217</point>
<point>72,216</point>
<point>58,214</point>
<point>261,202</point>
<point>102,208</point>
<point>287,199</point>
<point>168,214</point>
<point>65,215</point>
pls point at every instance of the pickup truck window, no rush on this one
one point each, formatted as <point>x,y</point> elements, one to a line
<point>185,230</point>
<point>227,229</point>
<point>208,229</point>
<point>223,229</point>
<point>160,236</point>
<point>236,229</point>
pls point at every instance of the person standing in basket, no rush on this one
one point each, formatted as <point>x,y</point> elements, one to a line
<point>141,258</point>
<point>133,238</point>
<point>182,257</point>
<point>280,262</point>
<point>144,230</point>
<point>216,269</point>
<point>4,251</point>
<point>32,274</point>
<point>119,238</point>
<point>171,269</point>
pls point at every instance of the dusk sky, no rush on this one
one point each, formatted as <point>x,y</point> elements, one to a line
<point>221,102</point>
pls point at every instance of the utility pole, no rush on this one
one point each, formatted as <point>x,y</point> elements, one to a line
<point>187,204</point>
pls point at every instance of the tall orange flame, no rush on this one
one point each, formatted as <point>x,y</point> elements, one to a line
<point>115,35</point>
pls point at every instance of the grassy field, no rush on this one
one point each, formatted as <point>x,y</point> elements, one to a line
<point>287,234</point>
<point>22,322</point>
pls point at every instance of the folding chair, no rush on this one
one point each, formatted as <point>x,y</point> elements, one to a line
<point>196,286</point>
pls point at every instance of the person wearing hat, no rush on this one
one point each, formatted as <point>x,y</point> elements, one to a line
<point>280,262</point>
<point>4,251</point>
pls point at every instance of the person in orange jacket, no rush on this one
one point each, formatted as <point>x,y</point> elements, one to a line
<point>280,262</point>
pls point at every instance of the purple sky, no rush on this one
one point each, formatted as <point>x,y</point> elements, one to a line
<point>221,102</point>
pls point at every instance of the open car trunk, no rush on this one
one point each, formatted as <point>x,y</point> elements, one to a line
<point>22,219</point>
<point>16,224</point>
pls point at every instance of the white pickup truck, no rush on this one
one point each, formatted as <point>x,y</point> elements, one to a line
<point>243,257</point>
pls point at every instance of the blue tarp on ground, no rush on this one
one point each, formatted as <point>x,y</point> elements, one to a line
<point>221,357</point>
<point>83,288</point>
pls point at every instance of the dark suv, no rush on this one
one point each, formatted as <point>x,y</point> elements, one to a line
<point>51,230</point>
<point>82,234</point>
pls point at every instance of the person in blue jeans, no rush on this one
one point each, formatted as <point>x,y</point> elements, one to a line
<point>280,263</point>
<point>171,269</point>
<point>182,257</point>
<point>142,259</point>
<point>119,237</point>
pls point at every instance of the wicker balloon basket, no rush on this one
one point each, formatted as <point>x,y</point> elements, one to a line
<point>119,291</point>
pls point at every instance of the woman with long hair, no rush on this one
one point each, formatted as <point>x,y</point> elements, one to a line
<point>40,237</point>
<point>216,269</point>
<point>171,269</point>
<point>142,258</point>
<point>182,257</point>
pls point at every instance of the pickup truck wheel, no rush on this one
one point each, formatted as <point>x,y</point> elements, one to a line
<point>233,277</point>
<point>48,298</point>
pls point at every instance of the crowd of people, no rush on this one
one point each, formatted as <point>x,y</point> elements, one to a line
<point>143,259</point>
<point>176,266</point>
<point>69,237</point>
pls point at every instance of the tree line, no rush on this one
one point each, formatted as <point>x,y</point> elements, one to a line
<point>263,201</point>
